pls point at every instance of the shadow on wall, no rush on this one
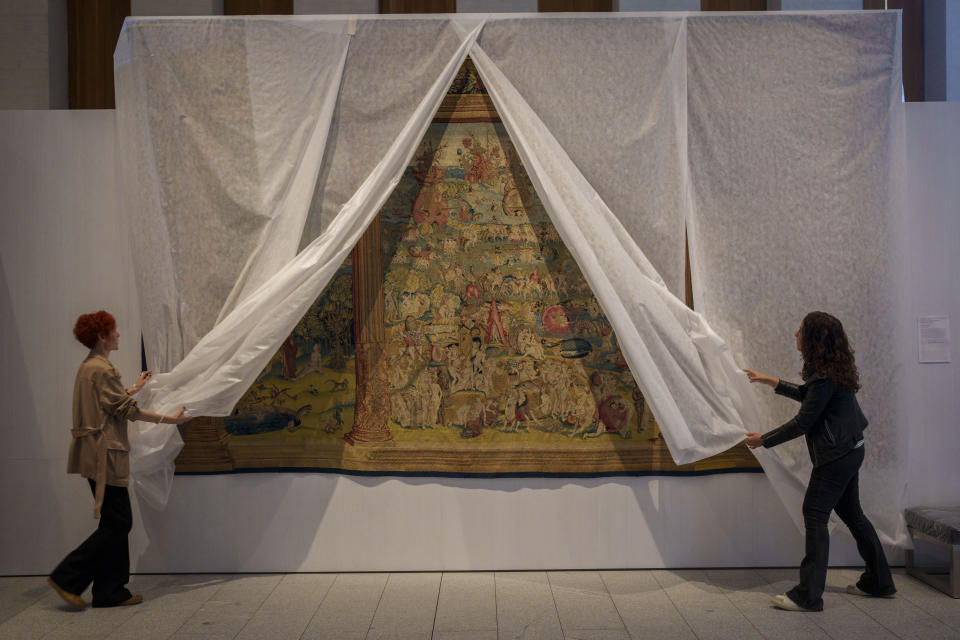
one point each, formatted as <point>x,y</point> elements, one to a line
<point>231,523</point>
<point>516,524</point>
<point>32,538</point>
<point>621,522</point>
<point>270,522</point>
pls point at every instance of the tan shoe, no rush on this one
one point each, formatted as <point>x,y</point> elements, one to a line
<point>75,601</point>
<point>134,599</point>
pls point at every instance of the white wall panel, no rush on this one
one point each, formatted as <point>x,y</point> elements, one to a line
<point>63,252</point>
<point>932,245</point>
<point>319,522</point>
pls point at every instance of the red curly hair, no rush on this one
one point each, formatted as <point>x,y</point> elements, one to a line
<point>90,326</point>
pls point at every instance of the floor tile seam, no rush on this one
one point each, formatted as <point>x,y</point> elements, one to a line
<point>195,611</point>
<point>932,614</point>
<point>553,599</point>
<point>468,629</point>
<point>252,615</point>
<point>319,605</point>
<point>436,606</point>
<point>817,620</point>
<point>853,602</point>
<point>676,608</point>
<point>125,615</point>
<point>18,611</point>
<point>496,604</point>
<point>770,583</point>
<point>615,607</point>
<point>62,624</point>
<point>377,608</point>
<point>243,599</point>
<point>44,592</point>
<point>744,615</point>
<point>837,635</point>
<point>134,615</point>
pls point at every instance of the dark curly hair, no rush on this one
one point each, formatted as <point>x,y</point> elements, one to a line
<point>90,326</point>
<point>827,351</point>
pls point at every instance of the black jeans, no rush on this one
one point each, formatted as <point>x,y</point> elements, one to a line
<point>104,557</point>
<point>835,487</point>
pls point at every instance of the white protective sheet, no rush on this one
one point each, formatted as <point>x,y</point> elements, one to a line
<point>700,398</point>
<point>793,169</point>
<point>230,118</point>
<point>612,96</point>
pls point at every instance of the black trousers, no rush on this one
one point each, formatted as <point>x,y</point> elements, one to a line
<point>835,487</point>
<point>104,557</point>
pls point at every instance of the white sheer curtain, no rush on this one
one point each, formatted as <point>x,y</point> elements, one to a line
<point>793,166</point>
<point>615,111</point>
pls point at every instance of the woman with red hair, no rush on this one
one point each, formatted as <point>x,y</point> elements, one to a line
<point>100,453</point>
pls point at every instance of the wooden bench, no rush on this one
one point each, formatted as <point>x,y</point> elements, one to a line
<point>940,525</point>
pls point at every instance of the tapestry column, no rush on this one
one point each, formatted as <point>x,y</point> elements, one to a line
<point>372,413</point>
<point>370,423</point>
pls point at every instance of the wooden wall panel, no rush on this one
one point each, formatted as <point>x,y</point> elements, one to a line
<point>93,27</point>
<point>733,5</point>
<point>913,62</point>
<point>418,6</point>
<point>257,7</point>
<point>547,6</point>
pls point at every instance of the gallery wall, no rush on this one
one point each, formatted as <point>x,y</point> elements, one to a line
<point>64,252</point>
<point>932,243</point>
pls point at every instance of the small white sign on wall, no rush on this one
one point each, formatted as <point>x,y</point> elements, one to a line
<point>934,337</point>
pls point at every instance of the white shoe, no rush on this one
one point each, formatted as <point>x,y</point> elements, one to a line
<point>854,590</point>
<point>784,602</point>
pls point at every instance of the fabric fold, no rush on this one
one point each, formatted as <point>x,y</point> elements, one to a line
<point>218,370</point>
<point>231,118</point>
<point>287,201</point>
<point>793,210</point>
<point>700,397</point>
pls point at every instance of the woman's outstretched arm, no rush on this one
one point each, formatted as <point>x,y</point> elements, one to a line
<point>762,378</point>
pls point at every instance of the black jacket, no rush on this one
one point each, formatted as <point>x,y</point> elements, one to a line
<point>829,417</point>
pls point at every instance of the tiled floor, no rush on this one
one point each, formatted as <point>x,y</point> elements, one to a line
<point>473,606</point>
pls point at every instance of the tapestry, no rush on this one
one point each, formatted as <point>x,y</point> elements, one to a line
<point>460,339</point>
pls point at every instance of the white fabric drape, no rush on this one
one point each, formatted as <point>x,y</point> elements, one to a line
<point>792,167</point>
<point>219,369</point>
<point>229,155</point>
<point>700,397</point>
<point>612,97</point>
<point>634,204</point>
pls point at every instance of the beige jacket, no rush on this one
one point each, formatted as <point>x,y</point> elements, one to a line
<point>100,450</point>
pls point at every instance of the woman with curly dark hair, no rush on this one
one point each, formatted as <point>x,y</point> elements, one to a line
<point>100,453</point>
<point>831,421</point>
